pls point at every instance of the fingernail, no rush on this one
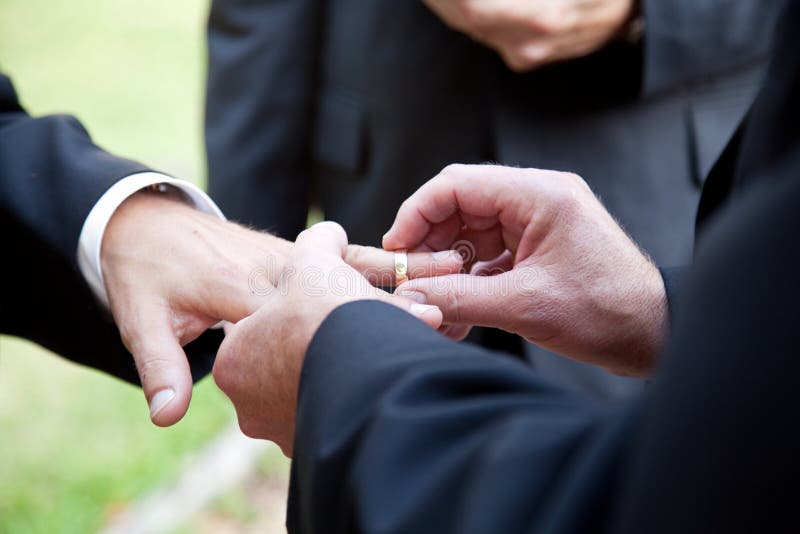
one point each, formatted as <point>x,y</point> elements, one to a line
<point>421,309</point>
<point>160,401</point>
<point>416,296</point>
<point>446,255</point>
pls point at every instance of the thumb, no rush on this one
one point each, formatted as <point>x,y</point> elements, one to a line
<point>464,298</point>
<point>162,366</point>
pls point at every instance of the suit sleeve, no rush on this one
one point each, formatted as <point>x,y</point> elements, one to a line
<point>688,41</point>
<point>259,108</point>
<point>415,433</point>
<point>51,174</point>
<point>717,451</point>
<point>399,430</point>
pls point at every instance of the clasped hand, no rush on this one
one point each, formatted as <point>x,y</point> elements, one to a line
<point>532,33</point>
<point>258,365</point>
<point>172,272</point>
<point>546,261</point>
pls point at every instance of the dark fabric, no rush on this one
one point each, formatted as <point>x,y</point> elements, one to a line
<point>716,449</point>
<point>262,57</point>
<point>689,41</point>
<point>399,430</point>
<point>51,174</point>
<point>672,277</point>
<point>354,104</point>
<point>767,135</point>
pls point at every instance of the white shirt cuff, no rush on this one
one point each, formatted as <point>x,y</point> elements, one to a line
<point>91,238</point>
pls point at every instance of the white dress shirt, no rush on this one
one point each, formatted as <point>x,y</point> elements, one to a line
<point>91,238</point>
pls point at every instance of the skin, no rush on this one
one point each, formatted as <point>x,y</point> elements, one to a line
<point>546,261</point>
<point>529,34</point>
<point>172,272</point>
<point>258,365</point>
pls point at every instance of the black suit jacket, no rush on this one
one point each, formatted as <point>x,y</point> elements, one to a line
<point>51,174</point>
<point>400,430</point>
<point>356,103</point>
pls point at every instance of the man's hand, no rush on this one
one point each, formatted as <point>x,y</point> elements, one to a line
<point>531,33</point>
<point>557,269</point>
<point>258,365</point>
<point>172,272</point>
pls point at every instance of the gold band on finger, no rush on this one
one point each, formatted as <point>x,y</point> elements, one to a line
<point>400,267</point>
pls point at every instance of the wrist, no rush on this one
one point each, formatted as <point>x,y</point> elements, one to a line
<point>127,231</point>
<point>94,227</point>
<point>650,327</point>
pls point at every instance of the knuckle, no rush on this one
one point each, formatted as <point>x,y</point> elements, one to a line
<point>224,369</point>
<point>553,19</point>
<point>220,373</point>
<point>452,169</point>
<point>578,183</point>
<point>150,367</point>
<point>452,306</point>
<point>302,255</point>
<point>525,57</point>
<point>248,427</point>
<point>517,63</point>
<point>332,227</point>
<point>567,191</point>
<point>357,255</point>
<point>471,14</point>
<point>452,174</point>
<point>553,24</point>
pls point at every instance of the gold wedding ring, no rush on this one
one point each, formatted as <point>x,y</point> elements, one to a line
<point>400,267</point>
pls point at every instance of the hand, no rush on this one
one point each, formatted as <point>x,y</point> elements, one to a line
<point>258,365</point>
<point>562,273</point>
<point>530,33</point>
<point>172,272</point>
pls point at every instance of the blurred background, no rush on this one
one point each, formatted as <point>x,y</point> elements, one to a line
<point>77,450</point>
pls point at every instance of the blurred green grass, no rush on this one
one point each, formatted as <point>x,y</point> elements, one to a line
<point>76,445</point>
<point>131,70</point>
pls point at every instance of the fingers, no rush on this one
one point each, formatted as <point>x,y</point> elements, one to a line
<point>377,265</point>
<point>428,314</point>
<point>433,203</point>
<point>502,263</point>
<point>326,237</point>
<point>481,192</point>
<point>162,366</point>
<point>330,238</point>
<point>481,245</point>
<point>465,299</point>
